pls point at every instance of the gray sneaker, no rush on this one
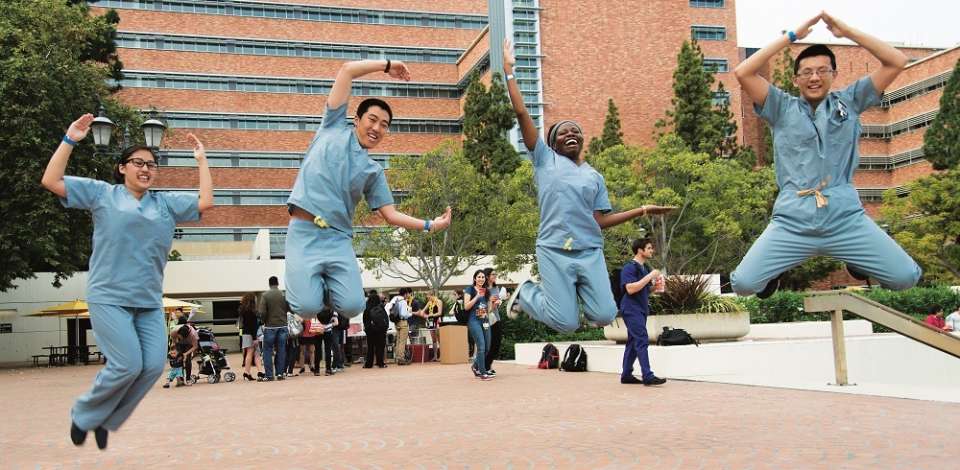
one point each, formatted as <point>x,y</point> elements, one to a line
<point>513,308</point>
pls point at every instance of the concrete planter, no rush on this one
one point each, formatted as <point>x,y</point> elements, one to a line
<point>713,326</point>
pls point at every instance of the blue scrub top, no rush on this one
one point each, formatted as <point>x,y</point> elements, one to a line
<point>568,194</point>
<point>336,173</point>
<point>639,302</point>
<point>131,239</point>
<point>813,146</point>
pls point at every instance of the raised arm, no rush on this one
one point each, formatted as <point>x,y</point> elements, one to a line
<point>527,127</point>
<point>340,92</point>
<point>53,175</point>
<point>747,72</point>
<point>206,181</point>
<point>610,219</point>
<point>394,217</point>
<point>892,61</point>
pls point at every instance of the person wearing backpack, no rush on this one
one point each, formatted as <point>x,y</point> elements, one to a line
<point>375,324</point>
<point>636,280</point>
<point>399,313</point>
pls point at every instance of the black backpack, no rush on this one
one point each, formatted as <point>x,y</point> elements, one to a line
<point>378,318</point>
<point>574,360</point>
<point>549,358</point>
<point>463,317</point>
<point>395,312</point>
<point>675,337</point>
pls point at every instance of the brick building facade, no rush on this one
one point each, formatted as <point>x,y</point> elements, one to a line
<point>250,78</point>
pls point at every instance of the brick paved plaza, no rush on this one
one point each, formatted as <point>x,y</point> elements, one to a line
<point>438,416</point>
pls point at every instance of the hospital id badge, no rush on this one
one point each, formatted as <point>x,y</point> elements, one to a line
<point>486,326</point>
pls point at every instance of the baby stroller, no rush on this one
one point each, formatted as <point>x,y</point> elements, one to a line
<point>212,360</point>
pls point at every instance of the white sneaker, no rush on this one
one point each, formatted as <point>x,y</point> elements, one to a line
<point>513,308</point>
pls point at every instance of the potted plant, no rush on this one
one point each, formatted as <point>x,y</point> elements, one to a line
<point>687,303</point>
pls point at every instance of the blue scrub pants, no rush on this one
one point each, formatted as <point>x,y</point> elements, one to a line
<point>481,336</point>
<point>321,261</point>
<point>637,345</point>
<point>565,277</point>
<point>855,240</point>
<point>134,341</point>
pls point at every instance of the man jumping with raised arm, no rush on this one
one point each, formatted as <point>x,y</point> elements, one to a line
<point>818,211</point>
<point>336,173</point>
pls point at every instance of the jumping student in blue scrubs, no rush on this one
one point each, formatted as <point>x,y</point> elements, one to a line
<point>574,207</point>
<point>132,234</point>
<point>336,172</point>
<point>815,137</point>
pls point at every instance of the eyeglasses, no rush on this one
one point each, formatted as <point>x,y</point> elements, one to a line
<point>821,72</point>
<point>139,163</point>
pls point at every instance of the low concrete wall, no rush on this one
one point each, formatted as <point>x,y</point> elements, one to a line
<point>807,329</point>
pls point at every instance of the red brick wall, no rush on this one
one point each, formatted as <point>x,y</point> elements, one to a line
<point>477,49</point>
<point>277,103</point>
<point>293,67</point>
<point>904,109</point>
<point>891,178</point>
<point>447,6</point>
<point>291,30</point>
<point>232,178</point>
<point>292,141</point>
<point>589,57</point>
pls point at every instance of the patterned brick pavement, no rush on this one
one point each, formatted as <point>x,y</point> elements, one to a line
<point>436,416</point>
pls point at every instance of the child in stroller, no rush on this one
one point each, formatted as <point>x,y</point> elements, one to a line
<point>212,360</point>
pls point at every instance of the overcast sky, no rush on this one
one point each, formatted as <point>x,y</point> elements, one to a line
<point>931,23</point>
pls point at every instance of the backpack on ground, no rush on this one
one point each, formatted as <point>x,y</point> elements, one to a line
<point>549,357</point>
<point>675,337</point>
<point>574,360</point>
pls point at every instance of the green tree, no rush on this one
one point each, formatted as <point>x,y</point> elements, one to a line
<point>722,205</point>
<point>433,181</point>
<point>487,116</point>
<point>694,117</point>
<point>514,211</point>
<point>941,142</point>
<point>927,224</point>
<point>54,61</point>
<point>612,135</point>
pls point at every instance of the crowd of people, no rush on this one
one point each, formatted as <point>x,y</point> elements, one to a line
<point>817,212</point>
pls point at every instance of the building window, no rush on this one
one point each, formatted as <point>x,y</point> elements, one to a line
<point>708,33</point>
<point>706,3</point>
<point>721,98</point>
<point>715,65</point>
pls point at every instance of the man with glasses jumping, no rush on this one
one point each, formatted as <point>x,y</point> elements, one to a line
<point>815,136</point>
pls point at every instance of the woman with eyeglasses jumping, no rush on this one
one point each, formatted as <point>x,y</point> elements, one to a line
<point>132,235</point>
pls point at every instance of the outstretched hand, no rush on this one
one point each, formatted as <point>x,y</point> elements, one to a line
<point>837,27</point>
<point>198,151</point>
<point>806,27</point>
<point>508,59</point>
<point>399,70</point>
<point>656,210</point>
<point>78,129</point>
<point>441,222</point>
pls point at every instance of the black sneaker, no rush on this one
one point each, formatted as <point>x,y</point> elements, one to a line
<point>630,380</point>
<point>100,435</point>
<point>77,435</point>
<point>166,385</point>
<point>492,372</point>
<point>328,372</point>
<point>772,287</point>
<point>654,381</point>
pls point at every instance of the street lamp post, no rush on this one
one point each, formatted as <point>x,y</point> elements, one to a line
<point>102,128</point>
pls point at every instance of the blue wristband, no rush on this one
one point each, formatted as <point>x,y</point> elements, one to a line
<point>792,36</point>
<point>69,141</point>
<point>426,226</point>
